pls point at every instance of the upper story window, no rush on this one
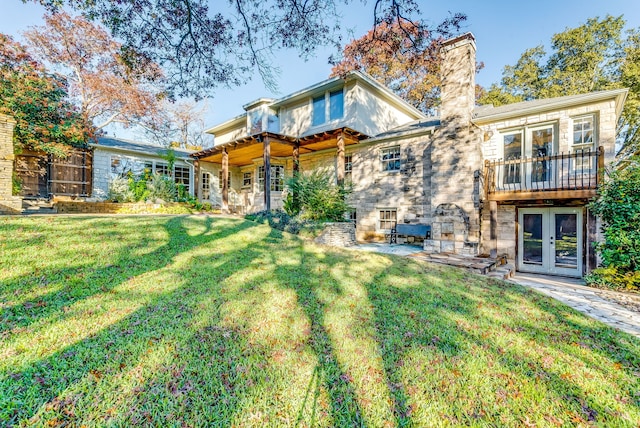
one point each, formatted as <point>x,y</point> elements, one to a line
<point>583,142</point>
<point>328,105</point>
<point>583,132</point>
<point>390,158</point>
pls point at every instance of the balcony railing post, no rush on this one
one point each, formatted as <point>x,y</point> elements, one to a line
<point>600,162</point>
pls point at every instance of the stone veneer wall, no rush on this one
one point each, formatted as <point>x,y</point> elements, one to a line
<point>338,234</point>
<point>9,204</point>
<point>456,156</point>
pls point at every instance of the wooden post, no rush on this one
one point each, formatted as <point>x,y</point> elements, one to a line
<point>493,229</point>
<point>225,180</point>
<point>600,166</point>
<point>266,155</point>
<point>340,159</point>
<point>196,179</point>
<point>296,157</point>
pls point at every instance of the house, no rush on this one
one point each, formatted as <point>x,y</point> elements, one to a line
<point>114,157</point>
<point>512,180</point>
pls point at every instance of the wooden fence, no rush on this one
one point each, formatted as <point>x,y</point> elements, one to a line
<point>44,176</point>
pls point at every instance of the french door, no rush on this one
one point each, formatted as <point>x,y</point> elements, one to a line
<point>550,241</point>
<point>535,142</point>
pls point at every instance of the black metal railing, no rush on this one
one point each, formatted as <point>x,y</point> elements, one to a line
<point>579,170</point>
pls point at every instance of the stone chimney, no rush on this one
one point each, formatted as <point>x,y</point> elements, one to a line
<point>456,155</point>
<point>458,72</point>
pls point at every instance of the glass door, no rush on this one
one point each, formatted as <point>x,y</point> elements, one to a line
<point>550,241</point>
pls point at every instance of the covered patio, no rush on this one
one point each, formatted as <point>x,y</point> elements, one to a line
<point>265,145</point>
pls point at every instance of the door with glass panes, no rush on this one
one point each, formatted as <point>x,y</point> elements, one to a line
<point>550,241</point>
<point>532,142</point>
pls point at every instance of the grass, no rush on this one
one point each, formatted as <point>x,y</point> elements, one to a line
<point>194,320</point>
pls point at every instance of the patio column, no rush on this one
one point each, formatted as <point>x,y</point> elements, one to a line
<point>266,156</point>
<point>196,179</point>
<point>493,229</point>
<point>225,180</point>
<point>296,157</point>
<point>340,159</point>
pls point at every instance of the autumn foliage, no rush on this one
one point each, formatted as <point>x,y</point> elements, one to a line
<point>404,56</point>
<point>45,120</point>
<point>108,83</point>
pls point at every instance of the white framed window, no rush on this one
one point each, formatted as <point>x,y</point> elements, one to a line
<point>205,185</point>
<point>387,219</point>
<point>181,176</point>
<point>247,179</point>
<point>583,143</point>
<point>328,105</point>
<point>220,180</point>
<point>161,168</point>
<point>348,167</point>
<point>390,158</point>
<point>277,178</point>
<point>122,166</point>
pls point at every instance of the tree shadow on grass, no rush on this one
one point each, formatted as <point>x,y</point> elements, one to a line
<point>84,282</point>
<point>123,342</point>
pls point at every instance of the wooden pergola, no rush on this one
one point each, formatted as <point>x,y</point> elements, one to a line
<point>243,151</point>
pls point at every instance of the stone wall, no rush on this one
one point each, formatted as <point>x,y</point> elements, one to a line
<point>338,235</point>
<point>83,207</point>
<point>9,204</point>
<point>456,156</point>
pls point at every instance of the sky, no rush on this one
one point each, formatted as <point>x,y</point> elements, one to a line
<point>503,30</point>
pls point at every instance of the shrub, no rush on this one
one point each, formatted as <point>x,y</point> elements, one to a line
<point>279,219</point>
<point>315,196</point>
<point>120,190</point>
<point>161,187</point>
<point>618,205</point>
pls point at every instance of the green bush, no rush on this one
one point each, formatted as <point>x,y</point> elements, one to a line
<point>279,219</point>
<point>315,196</point>
<point>161,187</point>
<point>120,190</point>
<point>618,205</point>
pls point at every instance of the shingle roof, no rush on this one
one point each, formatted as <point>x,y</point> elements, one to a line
<point>410,128</point>
<point>132,146</point>
<point>487,111</point>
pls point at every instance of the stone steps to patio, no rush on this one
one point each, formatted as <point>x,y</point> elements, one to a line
<point>495,268</point>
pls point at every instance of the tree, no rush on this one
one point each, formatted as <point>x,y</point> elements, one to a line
<point>180,125</point>
<point>618,204</point>
<point>594,56</point>
<point>202,44</point>
<point>105,90</point>
<point>45,120</point>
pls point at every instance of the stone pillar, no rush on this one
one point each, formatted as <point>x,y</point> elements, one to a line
<point>340,159</point>
<point>456,155</point>
<point>225,181</point>
<point>9,204</point>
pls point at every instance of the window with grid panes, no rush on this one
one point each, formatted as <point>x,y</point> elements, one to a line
<point>387,220</point>
<point>247,179</point>
<point>162,169</point>
<point>584,142</point>
<point>181,176</point>
<point>206,185</point>
<point>277,178</point>
<point>348,167</point>
<point>390,158</point>
<point>220,180</point>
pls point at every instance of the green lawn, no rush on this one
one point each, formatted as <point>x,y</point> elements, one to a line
<point>172,321</point>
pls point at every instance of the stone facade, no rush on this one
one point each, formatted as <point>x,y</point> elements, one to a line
<point>456,155</point>
<point>9,204</point>
<point>338,235</point>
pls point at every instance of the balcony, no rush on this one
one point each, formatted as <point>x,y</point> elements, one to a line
<point>562,176</point>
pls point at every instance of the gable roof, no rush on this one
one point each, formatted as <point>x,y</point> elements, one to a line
<point>123,145</point>
<point>487,113</point>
